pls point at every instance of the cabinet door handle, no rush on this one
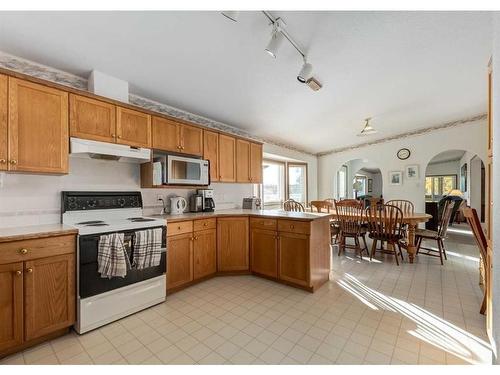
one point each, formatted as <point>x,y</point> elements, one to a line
<point>119,137</point>
<point>29,270</point>
<point>23,251</point>
<point>192,238</point>
<point>205,224</point>
<point>178,228</point>
<point>13,162</point>
<point>19,273</point>
<point>3,161</point>
<point>113,135</point>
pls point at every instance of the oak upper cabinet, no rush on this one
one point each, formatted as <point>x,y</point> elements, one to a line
<point>232,244</point>
<point>133,128</point>
<point>3,123</point>
<point>166,134</point>
<point>169,135</point>
<point>191,140</point>
<point>255,163</point>
<point>49,295</point>
<point>293,258</point>
<point>227,156</point>
<point>205,250</point>
<point>37,128</point>
<point>11,305</point>
<point>211,153</point>
<point>264,252</point>
<point>242,160</point>
<point>92,119</point>
<point>179,260</point>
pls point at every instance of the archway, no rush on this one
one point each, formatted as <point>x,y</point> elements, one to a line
<point>358,178</point>
<point>455,173</point>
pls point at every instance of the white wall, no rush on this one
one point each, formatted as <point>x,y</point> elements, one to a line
<point>447,167</point>
<point>470,137</point>
<point>36,199</point>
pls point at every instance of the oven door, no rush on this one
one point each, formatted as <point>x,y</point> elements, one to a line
<point>90,282</point>
<point>187,171</point>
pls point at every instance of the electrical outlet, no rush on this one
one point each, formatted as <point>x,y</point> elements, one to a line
<point>159,197</point>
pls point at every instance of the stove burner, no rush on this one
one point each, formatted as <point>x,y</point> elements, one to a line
<point>90,222</point>
<point>97,225</point>
<point>140,219</point>
<point>135,218</point>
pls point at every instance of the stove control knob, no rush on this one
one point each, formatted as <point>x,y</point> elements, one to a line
<point>92,203</point>
<point>121,202</point>
<point>72,205</point>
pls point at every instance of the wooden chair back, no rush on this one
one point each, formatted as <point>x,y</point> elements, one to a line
<point>385,222</point>
<point>320,206</point>
<point>350,215</point>
<point>292,205</point>
<point>470,215</point>
<point>445,218</point>
<point>331,202</point>
<point>404,205</point>
<point>473,220</point>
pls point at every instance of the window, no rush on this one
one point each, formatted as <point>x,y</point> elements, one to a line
<point>438,186</point>
<point>273,184</point>
<point>297,182</point>
<point>282,181</point>
<point>342,182</point>
<point>360,182</point>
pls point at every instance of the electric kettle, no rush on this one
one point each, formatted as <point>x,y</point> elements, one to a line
<point>177,205</point>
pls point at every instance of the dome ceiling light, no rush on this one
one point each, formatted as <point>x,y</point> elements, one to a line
<point>278,34</point>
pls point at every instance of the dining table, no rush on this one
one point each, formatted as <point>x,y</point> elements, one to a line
<point>412,220</point>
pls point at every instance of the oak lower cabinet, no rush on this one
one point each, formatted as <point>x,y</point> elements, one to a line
<point>232,244</point>
<point>294,258</point>
<point>179,260</point>
<point>264,252</point>
<point>38,292</point>
<point>37,128</point>
<point>205,253</point>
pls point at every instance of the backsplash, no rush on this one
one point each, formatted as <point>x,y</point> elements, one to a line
<point>36,199</point>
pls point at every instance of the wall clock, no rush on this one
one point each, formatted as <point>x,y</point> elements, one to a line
<point>403,154</point>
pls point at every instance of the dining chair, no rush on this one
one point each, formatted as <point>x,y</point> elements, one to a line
<point>470,215</point>
<point>407,207</point>
<point>292,205</point>
<point>320,205</point>
<point>350,216</point>
<point>385,225</point>
<point>334,224</point>
<point>438,236</point>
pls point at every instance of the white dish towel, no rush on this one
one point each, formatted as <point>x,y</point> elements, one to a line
<point>112,259</point>
<point>147,248</point>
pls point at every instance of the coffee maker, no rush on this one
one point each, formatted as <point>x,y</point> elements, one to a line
<point>207,201</point>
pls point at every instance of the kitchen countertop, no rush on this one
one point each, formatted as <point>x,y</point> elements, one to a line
<point>35,231</point>
<point>278,214</point>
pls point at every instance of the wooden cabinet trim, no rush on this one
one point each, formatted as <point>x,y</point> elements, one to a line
<point>3,122</point>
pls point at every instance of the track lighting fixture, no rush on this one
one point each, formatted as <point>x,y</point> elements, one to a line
<point>305,72</point>
<point>275,42</point>
<point>368,129</point>
<point>278,34</point>
<point>231,14</point>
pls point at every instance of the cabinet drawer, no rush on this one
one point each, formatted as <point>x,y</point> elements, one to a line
<point>205,224</point>
<point>263,223</point>
<point>180,227</point>
<point>18,251</point>
<point>294,226</point>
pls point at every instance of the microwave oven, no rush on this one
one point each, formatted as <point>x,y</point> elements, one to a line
<point>181,170</point>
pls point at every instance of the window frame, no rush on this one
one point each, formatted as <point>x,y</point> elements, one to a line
<point>286,164</point>
<point>346,182</point>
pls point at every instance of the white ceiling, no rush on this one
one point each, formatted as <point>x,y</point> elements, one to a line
<point>407,70</point>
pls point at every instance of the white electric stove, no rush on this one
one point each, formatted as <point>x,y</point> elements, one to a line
<point>102,300</point>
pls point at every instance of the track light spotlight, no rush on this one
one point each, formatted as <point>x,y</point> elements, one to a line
<point>231,14</point>
<point>305,72</point>
<point>275,42</point>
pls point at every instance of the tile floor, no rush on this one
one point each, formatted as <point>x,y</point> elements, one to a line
<point>369,313</point>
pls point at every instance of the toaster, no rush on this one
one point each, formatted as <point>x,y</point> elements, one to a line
<point>252,203</point>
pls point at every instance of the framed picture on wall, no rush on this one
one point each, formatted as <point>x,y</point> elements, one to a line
<point>396,178</point>
<point>370,185</point>
<point>463,178</point>
<point>412,172</point>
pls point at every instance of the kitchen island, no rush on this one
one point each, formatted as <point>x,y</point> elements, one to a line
<point>288,247</point>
